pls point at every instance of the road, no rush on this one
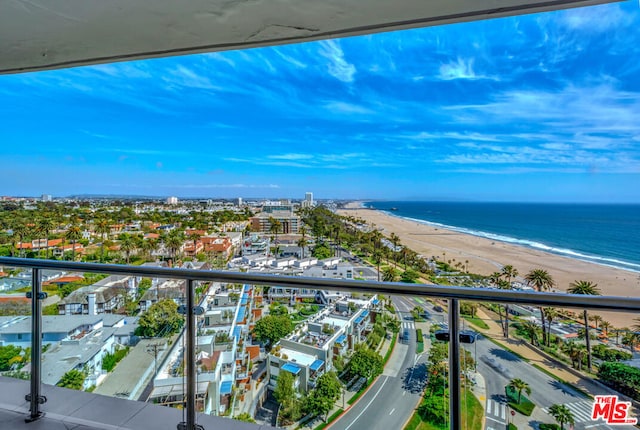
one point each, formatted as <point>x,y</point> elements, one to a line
<point>389,403</point>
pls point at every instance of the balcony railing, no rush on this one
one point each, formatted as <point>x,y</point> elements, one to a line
<point>451,293</point>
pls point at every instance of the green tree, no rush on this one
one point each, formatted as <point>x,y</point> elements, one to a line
<point>7,355</point>
<point>562,414</point>
<point>73,234</point>
<point>575,352</point>
<point>272,328</point>
<point>323,397</point>
<point>44,226</point>
<point>322,251</point>
<point>519,386</point>
<point>591,289</point>
<point>126,245</point>
<point>102,228</point>
<point>540,280</point>
<point>549,315</point>
<point>409,276</point>
<point>73,379</point>
<point>531,330</point>
<point>366,363</point>
<point>161,319</point>
<point>509,273</point>
<point>284,392</point>
<point>274,227</point>
<point>389,274</point>
<point>174,241</point>
<point>377,259</point>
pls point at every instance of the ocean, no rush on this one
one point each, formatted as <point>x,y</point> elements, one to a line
<point>599,233</point>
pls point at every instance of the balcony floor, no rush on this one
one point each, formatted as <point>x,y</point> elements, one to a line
<point>78,410</point>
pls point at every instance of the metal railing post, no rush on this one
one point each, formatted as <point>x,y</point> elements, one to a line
<point>191,357</point>
<point>34,397</point>
<point>455,421</point>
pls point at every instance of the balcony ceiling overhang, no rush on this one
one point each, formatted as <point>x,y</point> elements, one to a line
<point>52,34</point>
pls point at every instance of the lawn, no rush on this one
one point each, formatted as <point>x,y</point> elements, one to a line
<point>472,415</point>
<point>477,322</point>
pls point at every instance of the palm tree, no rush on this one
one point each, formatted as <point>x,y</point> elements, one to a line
<point>274,227</point>
<point>561,414</point>
<point>509,272</point>
<point>396,241</point>
<point>126,245</point>
<point>575,352</point>
<point>389,274</point>
<point>591,289</point>
<point>102,228</point>
<point>302,243</point>
<point>596,320</point>
<point>73,234</point>
<point>550,314</point>
<point>540,280</point>
<point>173,241</point>
<point>630,339</point>
<point>44,226</point>
<point>531,328</point>
<point>148,246</point>
<point>519,385</point>
<point>605,326</point>
<point>377,258</point>
<point>496,279</point>
<point>20,232</point>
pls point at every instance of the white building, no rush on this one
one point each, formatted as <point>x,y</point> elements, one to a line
<point>308,200</point>
<point>172,200</point>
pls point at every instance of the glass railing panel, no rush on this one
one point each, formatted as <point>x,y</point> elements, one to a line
<point>15,322</point>
<point>111,334</point>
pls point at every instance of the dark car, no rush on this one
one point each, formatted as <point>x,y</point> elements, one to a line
<point>438,308</point>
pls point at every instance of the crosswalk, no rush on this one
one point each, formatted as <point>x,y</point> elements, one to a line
<point>496,414</point>
<point>581,411</point>
<point>408,325</point>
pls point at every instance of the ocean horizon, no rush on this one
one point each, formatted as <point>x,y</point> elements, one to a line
<point>606,234</point>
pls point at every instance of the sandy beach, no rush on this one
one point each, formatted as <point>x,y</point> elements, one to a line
<point>485,256</point>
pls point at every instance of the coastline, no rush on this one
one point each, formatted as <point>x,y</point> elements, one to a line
<point>486,256</point>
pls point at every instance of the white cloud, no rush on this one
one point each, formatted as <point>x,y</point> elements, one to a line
<point>290,157</point>
<point>338,66</point>
<point>460,69</point>
<point>270,186</point>
<point>344,107</point>
<point>185,77</point>
<point>595,19</point>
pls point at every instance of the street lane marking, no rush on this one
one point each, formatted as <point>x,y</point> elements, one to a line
<point>368,404</point>
<point>392,411</point>
<point>493,419</point>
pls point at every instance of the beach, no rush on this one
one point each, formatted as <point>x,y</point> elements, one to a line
<point>485,256</point>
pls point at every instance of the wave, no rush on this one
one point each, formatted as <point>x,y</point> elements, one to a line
<point>604,261</point>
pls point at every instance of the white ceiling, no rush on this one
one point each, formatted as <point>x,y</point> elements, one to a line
<point>51,34</point>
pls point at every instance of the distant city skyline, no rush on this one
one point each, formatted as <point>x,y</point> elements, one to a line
<point>540,108</point>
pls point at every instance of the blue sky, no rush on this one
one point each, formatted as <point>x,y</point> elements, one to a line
<point>541,107</point>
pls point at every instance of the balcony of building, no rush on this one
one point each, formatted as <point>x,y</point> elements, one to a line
<point>191,390</point>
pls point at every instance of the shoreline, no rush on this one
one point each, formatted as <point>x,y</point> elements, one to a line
<point>485,256</point>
